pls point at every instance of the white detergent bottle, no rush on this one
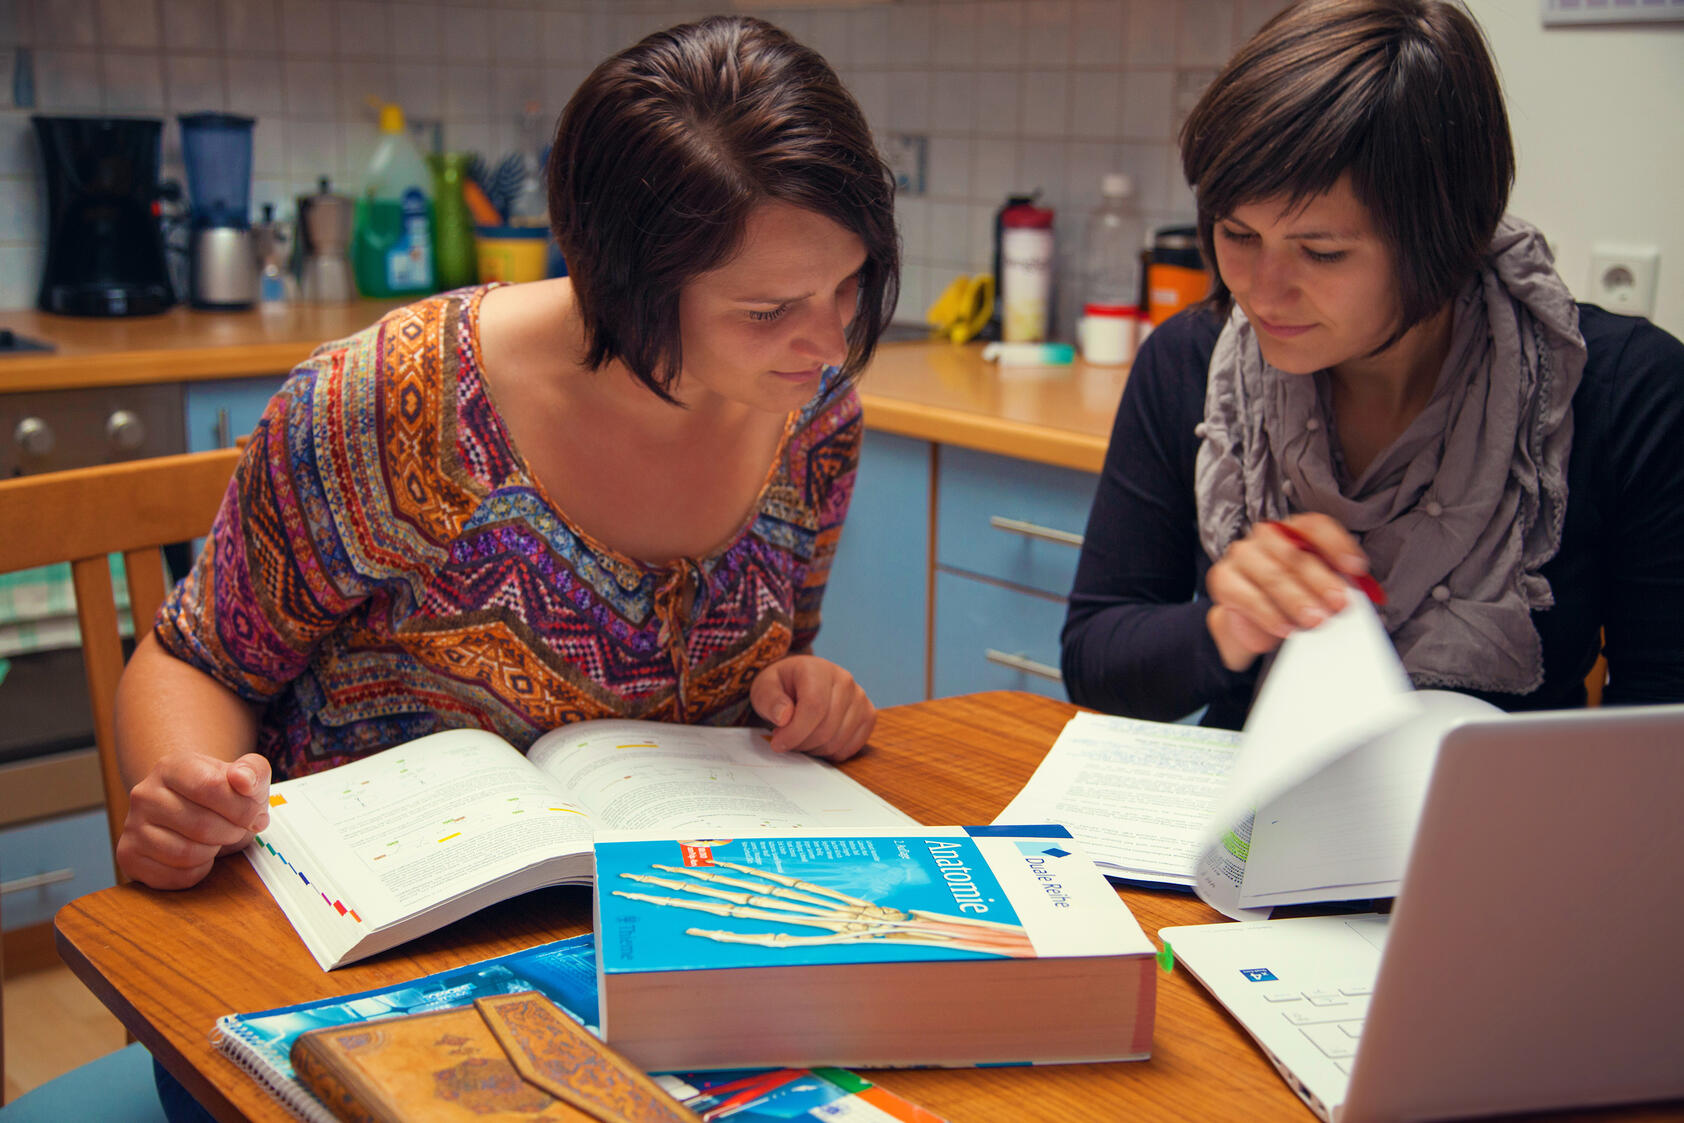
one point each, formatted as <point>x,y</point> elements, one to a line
<point>392,232</point>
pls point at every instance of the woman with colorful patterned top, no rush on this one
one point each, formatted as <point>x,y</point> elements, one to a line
<point>613,494</point>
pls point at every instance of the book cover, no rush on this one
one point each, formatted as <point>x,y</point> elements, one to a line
<point>443,1067</point>
<point>512,1057</point>
<point>933,946</point>
<point>780,1095</point>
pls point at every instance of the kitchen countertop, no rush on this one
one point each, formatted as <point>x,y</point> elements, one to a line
<point>942,392</point>
<point>932,391</point>
<point>181,345</point>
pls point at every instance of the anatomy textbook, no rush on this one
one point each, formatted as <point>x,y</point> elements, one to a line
<point>921,946</point>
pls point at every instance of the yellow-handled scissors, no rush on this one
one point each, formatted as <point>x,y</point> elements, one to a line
<point>960,312</point>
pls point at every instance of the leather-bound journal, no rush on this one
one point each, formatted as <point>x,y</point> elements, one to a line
<point>509,1057</point>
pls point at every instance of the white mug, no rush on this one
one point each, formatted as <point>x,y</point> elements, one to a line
<point>1106,334</point>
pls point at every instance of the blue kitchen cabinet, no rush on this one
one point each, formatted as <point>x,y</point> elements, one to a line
<point>219,411</point>
<point>47,864</point>
<point>877,601</point>
<point>1009,534</point>
<point>995,637</point>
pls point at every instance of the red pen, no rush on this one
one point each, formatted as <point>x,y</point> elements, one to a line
<point>1362,581</point>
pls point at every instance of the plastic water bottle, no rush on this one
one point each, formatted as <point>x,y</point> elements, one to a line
<point>392,246</point>
<point>1112,244</point>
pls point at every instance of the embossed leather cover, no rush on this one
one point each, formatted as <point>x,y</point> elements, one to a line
<point>512,1057</point>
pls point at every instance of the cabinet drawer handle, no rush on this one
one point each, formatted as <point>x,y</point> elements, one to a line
<point>36,880</point>
<point>1023,663</point>
<point>1032,530</point>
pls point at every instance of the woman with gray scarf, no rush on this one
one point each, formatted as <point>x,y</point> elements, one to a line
<point>1390,367</point>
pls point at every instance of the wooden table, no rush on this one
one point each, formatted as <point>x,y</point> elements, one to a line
<point>169,964</point>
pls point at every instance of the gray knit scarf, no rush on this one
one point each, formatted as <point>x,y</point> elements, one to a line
<point>1461,512</point>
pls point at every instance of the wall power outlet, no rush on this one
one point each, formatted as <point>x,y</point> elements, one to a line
<point>908,155</point>
<point>1622,278</point>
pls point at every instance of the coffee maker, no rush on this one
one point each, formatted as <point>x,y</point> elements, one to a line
<point>105,245</point>
<point>216,147</point>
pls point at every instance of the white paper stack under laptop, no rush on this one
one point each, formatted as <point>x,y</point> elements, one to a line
<point>1334,763</point>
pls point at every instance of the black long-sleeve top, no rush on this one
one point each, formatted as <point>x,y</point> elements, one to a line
<point>1135,641</point>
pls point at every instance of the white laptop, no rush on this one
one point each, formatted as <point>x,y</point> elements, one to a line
<point>1534,957</point>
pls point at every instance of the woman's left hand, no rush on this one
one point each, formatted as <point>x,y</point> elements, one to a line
<point>814,706</point>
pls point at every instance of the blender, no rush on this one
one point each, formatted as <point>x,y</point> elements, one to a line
<point>216,148</point>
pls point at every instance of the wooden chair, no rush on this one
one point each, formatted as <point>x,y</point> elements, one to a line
<point>84,514</point>
<point>81,516</point>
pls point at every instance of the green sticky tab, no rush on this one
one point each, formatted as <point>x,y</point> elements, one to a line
<point>1166,958</point>
<point>5,665</point>
<point>843,1079</point>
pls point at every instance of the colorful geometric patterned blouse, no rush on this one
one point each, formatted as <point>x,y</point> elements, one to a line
<point>384,565</point>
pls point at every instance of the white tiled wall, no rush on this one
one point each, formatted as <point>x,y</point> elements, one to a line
<point>1013,94</point>
<point>1021,95</point>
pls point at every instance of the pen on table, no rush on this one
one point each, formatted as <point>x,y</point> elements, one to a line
<point>1363,581</point>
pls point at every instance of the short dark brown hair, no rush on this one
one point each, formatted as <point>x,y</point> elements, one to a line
<point>666,148</point>
<point>1400,94</point>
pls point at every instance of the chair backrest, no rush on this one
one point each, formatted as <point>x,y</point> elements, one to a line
<point>81,516</point>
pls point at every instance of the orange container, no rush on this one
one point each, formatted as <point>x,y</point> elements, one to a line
<point>1170,288</point>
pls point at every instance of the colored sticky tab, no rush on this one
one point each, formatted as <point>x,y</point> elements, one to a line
<point>1166,958</point>
<point>276,800</point>
<point>843,1079</point>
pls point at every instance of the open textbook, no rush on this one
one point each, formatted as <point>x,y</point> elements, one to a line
<point>371,854</point>
<point>1316,800</point>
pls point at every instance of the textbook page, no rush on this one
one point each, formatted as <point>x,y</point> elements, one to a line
<point>1331,688</point>
<point>636,775</point>
<point>1137,795</point>
<point>370,854</point>
<point>1345,833</point>
<point>434,828</point>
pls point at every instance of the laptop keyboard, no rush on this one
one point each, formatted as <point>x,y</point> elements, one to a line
<point>1331,1017</point>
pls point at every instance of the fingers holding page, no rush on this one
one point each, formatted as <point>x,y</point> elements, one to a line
<point>1273,584</point>
<point>235,792</point>
<point>249,777</point>
<point>188,810</point>
<point>1280,578</point>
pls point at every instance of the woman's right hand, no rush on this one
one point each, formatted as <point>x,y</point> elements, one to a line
<point>190,809</point>
<point>1266,586</point>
